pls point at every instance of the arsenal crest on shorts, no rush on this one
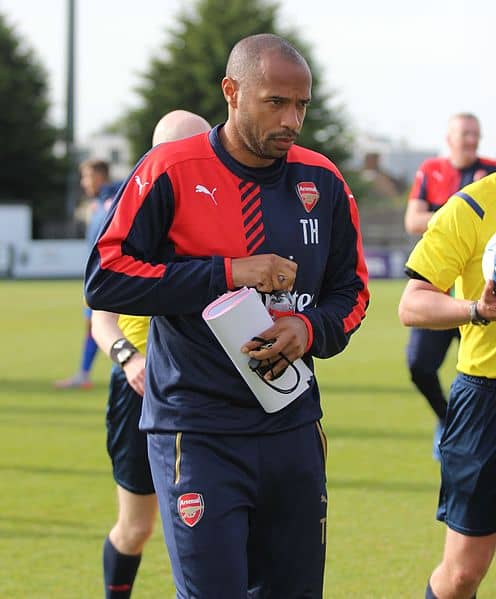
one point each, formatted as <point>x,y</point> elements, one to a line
<point>308,193</point>
<point>190,507</point>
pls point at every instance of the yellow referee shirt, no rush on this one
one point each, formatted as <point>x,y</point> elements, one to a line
<point>135,329</point>
<point>450,251</point>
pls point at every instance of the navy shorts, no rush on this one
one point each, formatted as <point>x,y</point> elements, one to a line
<point>467,500</point>
<point>126,445</point>
<point>243,515</point>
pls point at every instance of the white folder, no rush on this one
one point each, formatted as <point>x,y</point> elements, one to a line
<point>235,318</point>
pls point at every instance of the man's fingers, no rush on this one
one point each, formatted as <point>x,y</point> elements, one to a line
<point>283,282</point>
<point>269,369</point>
<point>264,286</point>
<point>277,368</point>
<point>265,272</point>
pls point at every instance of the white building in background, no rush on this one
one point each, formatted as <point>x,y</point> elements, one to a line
<point>22,257</point>
<point>396,158</point>
<point>113,148</point>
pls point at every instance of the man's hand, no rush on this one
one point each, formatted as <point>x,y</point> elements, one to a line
<point>289,336</point>
<point>265,272</point>
<point>134,370</point>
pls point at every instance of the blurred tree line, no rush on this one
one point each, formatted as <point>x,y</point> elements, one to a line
<point>30,171</point>
<point>192,64</point>
<point>186,74</point>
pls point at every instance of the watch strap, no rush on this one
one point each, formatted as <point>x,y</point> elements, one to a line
<point>117,346</point>
<point>475,317</point>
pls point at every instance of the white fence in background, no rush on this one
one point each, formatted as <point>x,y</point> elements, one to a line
<point>66,258</point>
<point>24,258</point>
<point>48,259</point>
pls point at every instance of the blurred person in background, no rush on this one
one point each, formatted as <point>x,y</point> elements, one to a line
<point>436,180</point>
<point>97,186</point>
<point>123,339</point>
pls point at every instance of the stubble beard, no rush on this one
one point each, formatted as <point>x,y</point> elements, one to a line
<point>257,146</point>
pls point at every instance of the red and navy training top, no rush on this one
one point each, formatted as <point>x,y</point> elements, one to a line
<point>437,179</point>
<point>164,250</point>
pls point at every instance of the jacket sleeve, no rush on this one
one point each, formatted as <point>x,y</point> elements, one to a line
<point>344,296</point>
<point>133,269</point>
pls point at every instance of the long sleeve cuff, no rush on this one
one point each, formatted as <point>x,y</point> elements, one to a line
<point>228,269</point>
<point>308,324</point>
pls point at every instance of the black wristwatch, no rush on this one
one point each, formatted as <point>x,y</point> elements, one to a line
<point>475,317</point>
<point>121,351</point>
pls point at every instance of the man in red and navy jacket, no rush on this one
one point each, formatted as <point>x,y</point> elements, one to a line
<point>241,491</point>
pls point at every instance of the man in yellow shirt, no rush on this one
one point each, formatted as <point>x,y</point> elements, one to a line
<point>450,252</point>
<point>436,180</point>
<point>123,338</point>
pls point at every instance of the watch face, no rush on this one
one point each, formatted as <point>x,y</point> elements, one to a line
<point>123,355</point>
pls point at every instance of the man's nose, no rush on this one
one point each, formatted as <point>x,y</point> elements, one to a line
<point>292,118</point>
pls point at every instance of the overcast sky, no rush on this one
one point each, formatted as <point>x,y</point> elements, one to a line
<point>399,68</point>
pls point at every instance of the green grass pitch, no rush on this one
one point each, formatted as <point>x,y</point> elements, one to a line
<point>57,498</point>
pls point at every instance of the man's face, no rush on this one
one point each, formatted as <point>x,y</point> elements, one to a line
<point>270,111</point>
<point>463,141</point>
<point>91,181</point>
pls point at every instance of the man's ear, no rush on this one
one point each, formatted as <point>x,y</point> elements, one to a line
<point>230,89</point>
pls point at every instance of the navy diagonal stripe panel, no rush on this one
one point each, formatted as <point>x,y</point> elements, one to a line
<point>255,242</point>
<point>254,226</point>
<point>251,208</point>
<point>472,203</point>
<point>249,203</point>
<point>250,217</point>
<point>249,189</point>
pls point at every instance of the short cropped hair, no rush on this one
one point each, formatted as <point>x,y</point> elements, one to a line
<point>98,166</point>
<point>246,55</point>
<point>463,115</point>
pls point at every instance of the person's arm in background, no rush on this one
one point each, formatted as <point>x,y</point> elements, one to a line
<point>105,331</point>
<point>417,215</point>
